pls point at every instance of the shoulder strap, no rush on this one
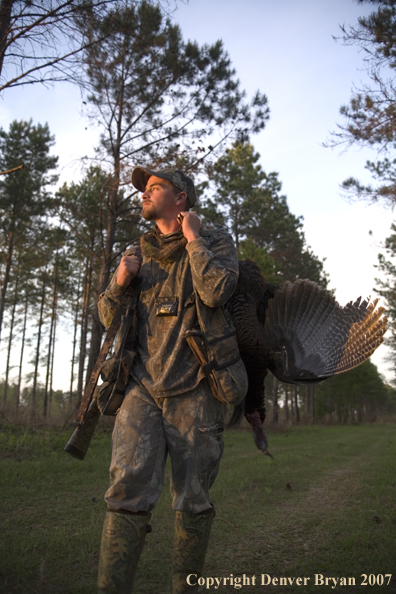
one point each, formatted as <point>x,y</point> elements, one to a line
<point>125,303</point>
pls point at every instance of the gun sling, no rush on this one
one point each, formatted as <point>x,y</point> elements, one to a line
<point>108,341</point>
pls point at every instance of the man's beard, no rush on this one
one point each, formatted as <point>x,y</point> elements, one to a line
<point>149,213</point>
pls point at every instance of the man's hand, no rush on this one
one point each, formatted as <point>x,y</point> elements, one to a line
<point>127,270</point>
<point>190,225</point>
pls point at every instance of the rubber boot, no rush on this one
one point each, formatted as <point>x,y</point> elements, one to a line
<point>191,539</point>
<point>122,542</point>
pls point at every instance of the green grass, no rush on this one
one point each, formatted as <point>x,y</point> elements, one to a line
<point>325,505</point>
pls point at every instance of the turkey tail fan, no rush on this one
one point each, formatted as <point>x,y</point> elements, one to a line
<point>310,337</point>
<point>364,338</point>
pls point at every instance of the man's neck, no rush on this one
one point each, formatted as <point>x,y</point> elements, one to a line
<point>167,226</point>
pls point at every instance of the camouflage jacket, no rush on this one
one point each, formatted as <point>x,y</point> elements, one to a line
<point>164,363</point>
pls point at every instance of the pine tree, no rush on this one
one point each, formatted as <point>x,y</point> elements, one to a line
<point>370,116</point>
<point>259,218</point>
<point>159,101</point>
<point>23,194</point>
<point>386,287</point>
<point>83,208</point>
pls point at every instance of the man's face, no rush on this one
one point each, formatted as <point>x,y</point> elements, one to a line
<point>158,199</point>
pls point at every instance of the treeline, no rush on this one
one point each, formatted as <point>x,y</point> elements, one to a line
<point>357,396</point>
<point>158,101</point>
<point>53,245</point>
<point>52,266</point>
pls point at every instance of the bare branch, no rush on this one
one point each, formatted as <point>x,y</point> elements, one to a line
<point>51,27</point>
<point>12,170</point>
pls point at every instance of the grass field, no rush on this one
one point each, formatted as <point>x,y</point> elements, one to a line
<point>326,506</point>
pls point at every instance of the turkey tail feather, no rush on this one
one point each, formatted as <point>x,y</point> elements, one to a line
<point>311,337</point>
<point>364,337</point>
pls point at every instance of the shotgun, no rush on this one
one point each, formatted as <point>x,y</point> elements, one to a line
<point>97,401</point>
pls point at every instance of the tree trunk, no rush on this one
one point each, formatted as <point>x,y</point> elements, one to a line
<point>286,404</point>
<point>5,21</point>
<point>50,341</point>
<point>310,400</point>
<point>84,325</point>
<point>275,409</point>
<point>52,371</point>
<point>6,278</point>
<point>339,417</point>
<point>18,394</point>
<point>329,404</point>
<point>104,276</point>
<point>292,413</point>
<point>296,404</point>
<point>359,417</point>
<point>37,358</point>
<point>307,405</point>
<point>9,346</point>
<point>74,350</point>
<point>313,402</point>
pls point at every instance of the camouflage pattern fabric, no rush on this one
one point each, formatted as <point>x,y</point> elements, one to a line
<point>168,406</point>
<point>164,363</point>
<point>189,427</point>
<point>190,541</point>
<point>122,542</point>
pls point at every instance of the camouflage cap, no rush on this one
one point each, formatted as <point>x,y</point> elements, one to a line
<point>140,177</point>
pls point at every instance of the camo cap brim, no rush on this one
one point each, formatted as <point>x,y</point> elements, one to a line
<point>140,177</point>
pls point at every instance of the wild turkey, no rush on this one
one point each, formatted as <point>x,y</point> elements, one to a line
<point>300,333</point>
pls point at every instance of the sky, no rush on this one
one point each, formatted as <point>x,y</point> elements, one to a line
<point>285,49</point>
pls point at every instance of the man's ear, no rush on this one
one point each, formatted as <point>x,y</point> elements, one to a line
<point>182,197</point>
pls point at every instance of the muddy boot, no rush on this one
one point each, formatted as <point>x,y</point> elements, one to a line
<point>122,543</point>
<point>190,542</point>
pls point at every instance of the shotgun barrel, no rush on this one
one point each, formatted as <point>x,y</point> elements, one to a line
<point>78,444</point>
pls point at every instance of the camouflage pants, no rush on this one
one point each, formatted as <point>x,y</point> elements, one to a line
<point>190,427</point>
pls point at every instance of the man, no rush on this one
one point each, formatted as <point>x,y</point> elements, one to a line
<point>168,406</point>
